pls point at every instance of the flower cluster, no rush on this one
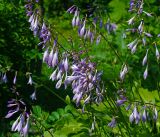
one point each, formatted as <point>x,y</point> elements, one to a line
<point>145,115</point>
<point>85,79</point>
<point>122,98</point>
<point>18,107</point>
<point>89,32</point>
<point>136,6</point>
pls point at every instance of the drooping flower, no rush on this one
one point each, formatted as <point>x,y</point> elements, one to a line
<point>55,59</point>
<point>133,50</point>
<point>30,81</point>
<point>144,116</point>
<point>82,30</point>
<point>140,27</point>
<point>121,101</point>
<point>148,34</point>
<point>157,53</point>
<point>130,21</point>
<point>53,75</point>
<point>46,56</point>
<point>132,44</point>
<point>155,114</point>
<point>14,108</point>
<point>145,74</point>
<point>71,9</point>
<point>123,72</point>
<point>4,78</point>
<point>26,128</point>
<point>33,95</point>
<point>134,116</point>
<point>145,58</point>
<point>112,124</point>
<point>15,78</point>
<point>98,39</point>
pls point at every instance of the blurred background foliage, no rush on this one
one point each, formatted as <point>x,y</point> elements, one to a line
<point>53,110</point>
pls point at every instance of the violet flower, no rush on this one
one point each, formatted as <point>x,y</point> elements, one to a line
<point>84,79</point>
<point>134,116</point>
<point>15,78</point>
<point>145,74</point>
<point>121,101</point>
<point>145,58</point>
<point>112,124</point>
<point>4,78</point>
<point>123,72</point>
<point>157,53</point>
<point>144,116</point>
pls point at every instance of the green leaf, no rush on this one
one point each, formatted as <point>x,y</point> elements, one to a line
<point>60,111</point>
<point>55,115</point>
<point>37,110</point>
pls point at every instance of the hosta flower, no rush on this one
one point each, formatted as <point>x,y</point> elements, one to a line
<point>26,128</point>
<point>71,9</point>
<point>134,116</point>
<point>21,124</point>
<point>77,21</point>
<point>33,96</point>
<point>110,27</point>
<point>15,78</point>
<point>123,72</point>
<point>133,50</point>
<point>132,44</point>
<point>112,124</point>
<point>74,21</point>
<point>155,114</point>
<point>98,39</point>
<point>148,34</point>
<point>30,81</point>
<point>34,23</point>
<point>144,40</point>
<point>53,75</point>
<point>121,101</point>
<point>144,116</point>
<point>4,78</point>
<point>59,83</point>
<point>45,34</point>
<point>132,4</point>
<point>148,14</point>
<point>50,58</point>
<point>130,21</point>
<point>145,74</point>
<point>14,109</point>
<point>145,58</point>
<point>140,27</point>
<point>46,55</point>
<point>66,64</point>
<point>82,30</point>
<point>157,53</point>
<point>55,59</point>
